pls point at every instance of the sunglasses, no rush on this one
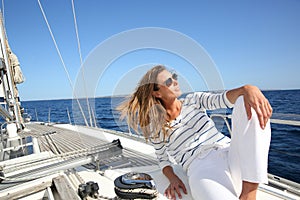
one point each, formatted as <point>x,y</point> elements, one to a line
<point>169,81</point>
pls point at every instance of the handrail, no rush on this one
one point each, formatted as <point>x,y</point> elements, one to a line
<point>285,122</point>
<point>272,120</point>
<point>225,118</point>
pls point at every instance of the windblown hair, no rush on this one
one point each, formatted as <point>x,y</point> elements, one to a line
<point>142,109</point>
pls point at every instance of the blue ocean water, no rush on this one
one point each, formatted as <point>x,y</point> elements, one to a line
<point>284,157</point>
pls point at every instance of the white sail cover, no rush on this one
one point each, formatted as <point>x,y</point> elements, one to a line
<point>17,73</point>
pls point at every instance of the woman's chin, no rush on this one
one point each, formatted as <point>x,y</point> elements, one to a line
<point>178,93</point>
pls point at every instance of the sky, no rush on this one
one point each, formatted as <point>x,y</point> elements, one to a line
<point>211,44</point>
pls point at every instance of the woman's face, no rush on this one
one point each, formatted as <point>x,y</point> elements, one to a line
<point>167,83</point>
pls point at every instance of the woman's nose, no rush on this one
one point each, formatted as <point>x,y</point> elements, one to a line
<point>175,82</point>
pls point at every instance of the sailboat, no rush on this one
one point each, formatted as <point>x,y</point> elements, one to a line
<point>42,160</point>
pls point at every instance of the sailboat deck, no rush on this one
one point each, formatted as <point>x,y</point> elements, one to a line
<point>72,155</point>
<point>60,140</point>
<point>64,149</point>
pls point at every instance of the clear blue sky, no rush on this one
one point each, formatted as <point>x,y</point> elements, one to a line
<point>250,42</point>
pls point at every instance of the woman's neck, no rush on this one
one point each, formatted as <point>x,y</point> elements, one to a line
<point>173,110</point>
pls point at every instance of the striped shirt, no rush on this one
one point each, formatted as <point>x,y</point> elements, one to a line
<point>192,133</point>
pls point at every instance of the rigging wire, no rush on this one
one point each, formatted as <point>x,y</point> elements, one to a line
<point>62,61</point>
<point>80,56</point>
<point>76,30</point>
<point>3,17</point>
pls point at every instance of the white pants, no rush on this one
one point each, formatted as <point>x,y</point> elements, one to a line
<point>219,175</point>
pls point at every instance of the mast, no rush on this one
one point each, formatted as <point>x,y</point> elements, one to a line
<point>10,100</point>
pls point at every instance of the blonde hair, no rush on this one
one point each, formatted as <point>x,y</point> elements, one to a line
<point>142,109</point>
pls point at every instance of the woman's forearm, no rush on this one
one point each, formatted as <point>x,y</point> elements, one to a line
<point>169,173</point>
<point>253,98</point>
<point>233,94</point>
<point>175,184</point>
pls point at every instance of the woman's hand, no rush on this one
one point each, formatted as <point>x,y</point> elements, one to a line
<point>175,184</point>
<point>174,187</point>
<point>253,98</point>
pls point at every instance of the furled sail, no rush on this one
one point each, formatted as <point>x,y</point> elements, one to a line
<point>10,75</point>
<point>16,69</point>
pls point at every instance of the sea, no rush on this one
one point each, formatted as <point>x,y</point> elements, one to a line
<point>284,155</point>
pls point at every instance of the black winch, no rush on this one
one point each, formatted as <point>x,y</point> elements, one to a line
<point>135,185</point>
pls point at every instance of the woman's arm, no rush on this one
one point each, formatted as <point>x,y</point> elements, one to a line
<point>253,98</point>
<point>165,165</point>
<point>175,184</point>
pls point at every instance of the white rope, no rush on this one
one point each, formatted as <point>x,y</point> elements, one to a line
<point>80,56</point>
<point>61,59</point>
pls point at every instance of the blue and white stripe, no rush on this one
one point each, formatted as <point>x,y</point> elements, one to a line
<point>192,132</point>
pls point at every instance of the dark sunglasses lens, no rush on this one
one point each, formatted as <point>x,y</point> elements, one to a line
<point>169,82</point>
<point>175,76</point>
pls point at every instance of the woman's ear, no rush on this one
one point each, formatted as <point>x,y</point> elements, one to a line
<point>156,94</point>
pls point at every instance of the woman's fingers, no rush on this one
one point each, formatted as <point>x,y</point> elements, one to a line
<point>171,191</point>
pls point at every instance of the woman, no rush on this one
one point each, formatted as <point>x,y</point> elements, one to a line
<point>217,167</point>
